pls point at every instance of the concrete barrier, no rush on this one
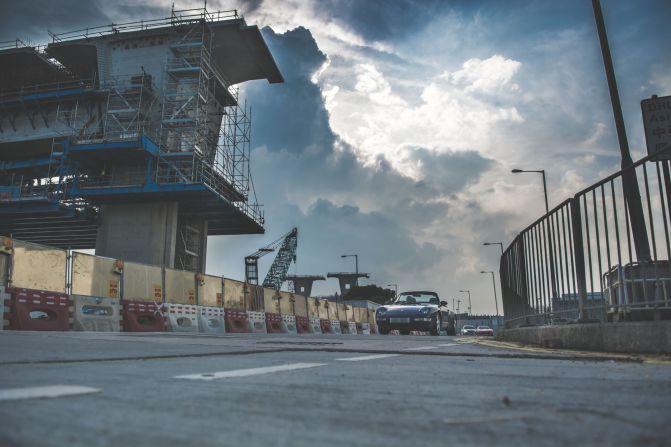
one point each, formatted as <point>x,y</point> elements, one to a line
<point>289,324</point>
<point>645,337</point>
<point>211,320</point>
<point>96,314</point>
<point>335,327</point>
<point>315,326</point>
<point>4,301</point>
<point>257,322</point>
<point>181,317</point>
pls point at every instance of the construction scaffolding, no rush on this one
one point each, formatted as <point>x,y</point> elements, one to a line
<point>128,130</point>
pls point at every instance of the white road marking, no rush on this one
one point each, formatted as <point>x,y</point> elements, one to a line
<point>421,348</point>
<point>367,357</point>
<point>36,392</point>
<point>449,344</point>
<point>248,372</point>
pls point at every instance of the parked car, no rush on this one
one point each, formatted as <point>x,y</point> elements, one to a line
<point>484,331</point>
<point>468,330</point>
<point>416,311</point>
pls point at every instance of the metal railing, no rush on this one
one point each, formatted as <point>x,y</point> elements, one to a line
<point>177,18</point>
<point>579,262</point>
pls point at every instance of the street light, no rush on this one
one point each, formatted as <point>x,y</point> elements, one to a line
<point>496,303</point>
<point>395,289</point>
<point>500,244</point>
<point>548,229</point>
<point>545,187</point>
<point>356,264</point>
<point>469,300</point>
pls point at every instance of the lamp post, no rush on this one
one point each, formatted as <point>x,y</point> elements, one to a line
<point>548,229</point>
<point>356,265</point>
<point>469,300</point>
<point>500,244</point>
<point>395,289</point>
<point>545,187</point>
<point>496,303</point>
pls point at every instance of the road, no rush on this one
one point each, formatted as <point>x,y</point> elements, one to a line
<point>249,389</point>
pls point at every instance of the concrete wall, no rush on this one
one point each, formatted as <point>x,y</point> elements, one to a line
<point>652,337</point>
<point>144,233</point>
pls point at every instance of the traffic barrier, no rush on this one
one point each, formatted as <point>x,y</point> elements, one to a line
<point>365,328</point>
<point>36,310</point>
<point>335,327</point>
<point>344,327</point>
<point>315,326</point>
<point>274,323</point>
<point>373,328</point>
<point>181,317</point>
<point>302,325</point>
<point>142,316</point>
<point>289,324</point>
<point>325,326</point>
<point>419,333</point>
<point>96,314</point>
<point>351,325</point>
<point>4,301</point>
<point>257,322</point>
<point>237,321</point>
<point>211,320</point>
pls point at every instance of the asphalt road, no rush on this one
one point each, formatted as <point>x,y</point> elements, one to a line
<point>251,389</point>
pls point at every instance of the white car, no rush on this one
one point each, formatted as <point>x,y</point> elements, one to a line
<point>468,330</point>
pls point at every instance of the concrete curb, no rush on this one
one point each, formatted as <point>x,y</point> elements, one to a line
<point>647,337</point>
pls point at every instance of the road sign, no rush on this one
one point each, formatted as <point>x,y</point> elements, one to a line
<point>657,125</point>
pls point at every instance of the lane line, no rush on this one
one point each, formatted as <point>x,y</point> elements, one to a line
<point>449,344</point>
<point>421,348</point>
<point>248,372</point>
<point>36,392</point>
<point>367,357</point>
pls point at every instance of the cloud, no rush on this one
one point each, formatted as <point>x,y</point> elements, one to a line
<point>29,21</point>
<point>487,76</point>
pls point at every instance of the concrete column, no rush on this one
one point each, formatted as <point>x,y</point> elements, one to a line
<point>143,232</point>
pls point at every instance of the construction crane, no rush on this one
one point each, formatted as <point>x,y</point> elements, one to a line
<point>286,252</point>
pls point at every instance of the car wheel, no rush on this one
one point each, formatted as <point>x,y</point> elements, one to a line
<point>435,325</point>
<point>383,330</point>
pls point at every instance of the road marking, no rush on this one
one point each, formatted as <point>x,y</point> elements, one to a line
<point>421,348</point>
<point>36,392</point>
<point>249,372</point>
<point>367,357</point>
<point>449,344</point>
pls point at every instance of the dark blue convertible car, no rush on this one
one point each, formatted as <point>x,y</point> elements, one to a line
<point>416,311</point>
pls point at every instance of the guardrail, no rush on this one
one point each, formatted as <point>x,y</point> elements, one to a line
<point>579,261</point>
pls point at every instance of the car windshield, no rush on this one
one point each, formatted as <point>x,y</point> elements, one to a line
<point>469,327</point>
<point>417,298</point>
<point>483,327</point>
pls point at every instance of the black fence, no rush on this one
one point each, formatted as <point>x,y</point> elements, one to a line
<point>588,260</point>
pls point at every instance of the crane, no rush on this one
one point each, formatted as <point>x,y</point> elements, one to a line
<point>286,252</point>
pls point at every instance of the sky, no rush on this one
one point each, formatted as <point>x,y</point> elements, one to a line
<point>398,123</point>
